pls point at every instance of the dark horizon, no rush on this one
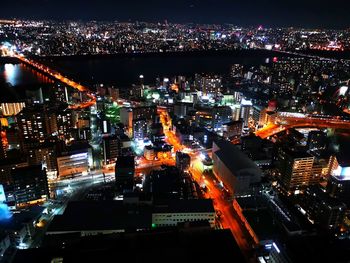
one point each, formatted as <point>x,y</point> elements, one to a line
<point>270,13</point>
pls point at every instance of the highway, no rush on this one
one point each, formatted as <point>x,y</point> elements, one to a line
<point>285,122</point>
<point>57,76</point>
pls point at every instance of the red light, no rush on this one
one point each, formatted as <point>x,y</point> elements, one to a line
<point>275,59</point>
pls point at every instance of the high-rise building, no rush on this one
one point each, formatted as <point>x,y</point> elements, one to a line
<point>30,185</point>
<point>140,129</point>
<point>64,122</point>
<point>11,109</point>
<point>259,116</point>
<point>326,211</point>
<point>245,112</point>
<point>124,172</point>
<point>34,123</point>
<point>317,140</point>
<point>208,83</point>
<point>111,148</point>
<point>295,168</point>
<point>44,154</point>
<point>221,115</point>
<point>339,182</point>
<point>128,116</point>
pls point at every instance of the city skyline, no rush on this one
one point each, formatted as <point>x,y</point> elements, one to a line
<point>310,14</point>
<point>193,130</point>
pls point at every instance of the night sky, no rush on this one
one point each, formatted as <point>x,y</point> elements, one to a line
<point>305,13</point>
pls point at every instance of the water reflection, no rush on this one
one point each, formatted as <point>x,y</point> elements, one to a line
<point>20,74</point>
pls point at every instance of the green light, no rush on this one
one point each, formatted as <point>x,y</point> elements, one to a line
<point>154,225</point>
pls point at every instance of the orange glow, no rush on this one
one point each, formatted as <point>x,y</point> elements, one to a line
<point>64,80</point>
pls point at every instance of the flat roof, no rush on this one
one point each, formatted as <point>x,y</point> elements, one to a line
<point>101,215</point>
<point>175,245</point>
<point>184,206</point>
<point>233,158</point>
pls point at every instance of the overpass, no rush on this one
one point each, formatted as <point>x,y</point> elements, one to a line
<point>287,120</point>
<point>57,76</point>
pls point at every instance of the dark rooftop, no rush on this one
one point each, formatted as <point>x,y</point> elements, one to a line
<point>233,158</point>
<point>185,206</point>
<point>156,246</point>
<point>101,215</point>
<point>125,162</point>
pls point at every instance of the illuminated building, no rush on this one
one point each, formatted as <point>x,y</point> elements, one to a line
<point>339,182</point>
<point>183,161</point>
<point>245,112</point>
<point>30,185</point>
<point>140,129</point>
<point>317,140</point>
<point>124,173</point>
<point>11,109</point>
<point>64,123</point>
<point>174,212</point>
<point>73,163</point>
<point>232,129</point>
<point>220,115</point>
<point>326,211</point>
<point>238,173</point>
<point>44,154</point>
<point>208,84</point>
<point>259,116</point>
<point>149,153</point>
<point>295,168</point>
<point>61,94</point>
<point>3,144</point>
<point>111,148</point>
<point>128,116</point>
<point>36,123</point>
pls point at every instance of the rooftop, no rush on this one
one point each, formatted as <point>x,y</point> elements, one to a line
<point>185,206</point>
<point>233,158</point>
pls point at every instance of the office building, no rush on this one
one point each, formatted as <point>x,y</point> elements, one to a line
<point>174,212</point>
<point>339,182</point>
<point>45,154</point>
<point>74,163</point>
<point>239,174</point>
<point>326,211</point>
<point>259,116</point>
<point>30,185</point>
<point>295,168</point>
<point>220,115</point>
<point>11,109</point>
<point>111,148</point>
<point>246,112</point>
<point>317,140</point>
<point>140,129</point>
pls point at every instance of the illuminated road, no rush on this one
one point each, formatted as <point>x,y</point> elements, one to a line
<point>229,218</point>
<point>287,122</point>
<point>56,75</point>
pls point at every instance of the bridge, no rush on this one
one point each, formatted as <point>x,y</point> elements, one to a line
<point>287,120</point>
<point>57,76</point>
